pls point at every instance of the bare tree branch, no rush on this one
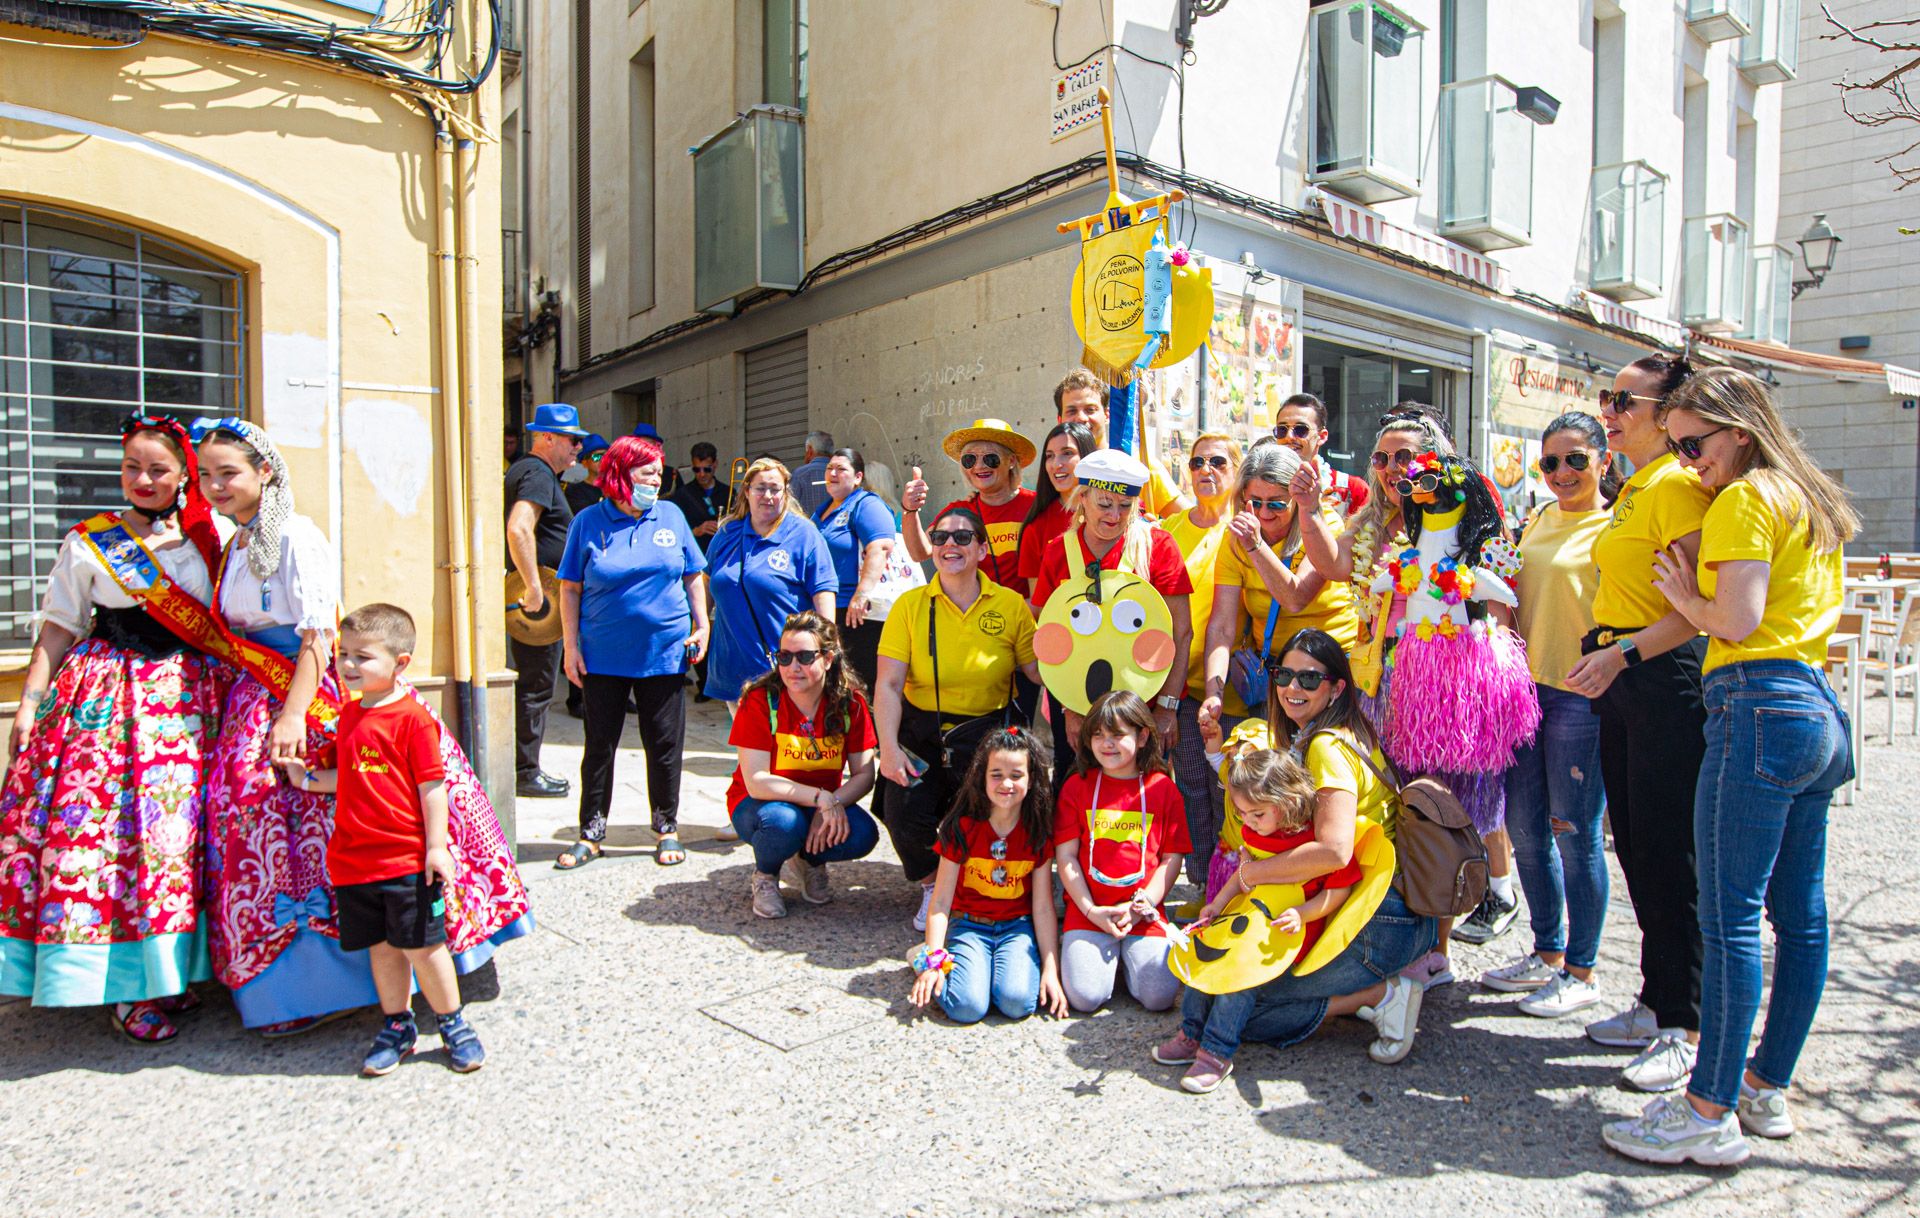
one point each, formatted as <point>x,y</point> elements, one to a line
<point>1885,100</point>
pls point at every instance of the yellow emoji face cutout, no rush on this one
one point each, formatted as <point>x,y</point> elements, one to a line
<point>1088,645</point>
<point>1241,948</point>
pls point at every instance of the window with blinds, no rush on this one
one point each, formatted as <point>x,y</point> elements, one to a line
<point>95,320</point>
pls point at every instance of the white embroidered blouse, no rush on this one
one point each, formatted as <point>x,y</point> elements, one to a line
<point>304,592</point>
<point>80,582</point>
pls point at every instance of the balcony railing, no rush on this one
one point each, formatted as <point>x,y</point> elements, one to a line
<point>1715,264</point>
<point>1629,221</point>
<point>1486,188</point>
<point>748,226</point>
<point>511,273</point>
<point>1716,20</point>
<point>1770,297</point>
<point>1770,53</point>
<point>1366,86</point>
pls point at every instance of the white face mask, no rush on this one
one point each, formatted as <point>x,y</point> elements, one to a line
<point>644,496</point>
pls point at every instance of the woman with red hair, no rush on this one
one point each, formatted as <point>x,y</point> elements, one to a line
<point>635,618</point>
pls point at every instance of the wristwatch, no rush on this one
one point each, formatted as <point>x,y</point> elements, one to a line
<point>1167,702</point>
<point>1628,651</point>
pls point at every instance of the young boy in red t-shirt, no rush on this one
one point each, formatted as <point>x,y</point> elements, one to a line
<point>388,859</point>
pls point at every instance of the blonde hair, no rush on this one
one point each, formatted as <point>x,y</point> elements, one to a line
<point>1776,465</point>
<point>1136,544</point>
<point>1377,510</point>
<point>737,510</point>
<point>1235,455</point>
<point>1271,777</point>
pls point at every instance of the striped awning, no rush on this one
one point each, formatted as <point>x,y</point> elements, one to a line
<point>1659,329</point>
<point>1900,382</point>
<point>1353,222</point>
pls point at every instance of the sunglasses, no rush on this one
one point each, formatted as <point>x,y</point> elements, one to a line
<point>783,657</point>
<point>1268,505</point>
<point>1197,464</point>
<point>1298,431</point>
<point>969,460</point>
<point>1575,461</point>
<point>959,537</point>
<point>1399,460</point>
<point>1427,483</point>
<point>1620,401</point>
<point>1308,679</point>
<point>1689,446</point>
<point>701,469</point>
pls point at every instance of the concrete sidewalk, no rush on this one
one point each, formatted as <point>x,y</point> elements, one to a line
<point>656,1049</point>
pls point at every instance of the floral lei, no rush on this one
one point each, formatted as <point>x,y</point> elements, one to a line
<point>1367,563</point>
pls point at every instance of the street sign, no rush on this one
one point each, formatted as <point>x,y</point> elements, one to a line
<point>1076,98</point>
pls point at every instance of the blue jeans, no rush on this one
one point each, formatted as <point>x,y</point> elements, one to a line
<point>1777,749</point>
<point>995,964</point>
<point>1564,875</point>
<point>777,831</point>
<point>1288,1009</point>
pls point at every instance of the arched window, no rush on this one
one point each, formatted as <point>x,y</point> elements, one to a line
<point>95,319</point>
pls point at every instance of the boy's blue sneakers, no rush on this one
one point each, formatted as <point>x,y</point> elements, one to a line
<point>463,1043</point>
<point>395,1041</point>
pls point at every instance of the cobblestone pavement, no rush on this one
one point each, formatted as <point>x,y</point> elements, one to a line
<point>657,1050</point>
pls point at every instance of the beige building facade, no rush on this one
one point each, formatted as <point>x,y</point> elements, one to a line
<point>294,237</point>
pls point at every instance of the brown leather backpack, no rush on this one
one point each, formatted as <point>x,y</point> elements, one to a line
<point>1443,862</point>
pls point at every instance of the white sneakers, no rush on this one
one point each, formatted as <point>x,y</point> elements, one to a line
<point>1665,1064</point>
<point>1520,976</point>
<point>1668,1130</point>
<point>1633,1028</point>
<point>1396,1017</point>
<point>1563,995</point>
<point>926,903</point>
<point>1764,1113</point>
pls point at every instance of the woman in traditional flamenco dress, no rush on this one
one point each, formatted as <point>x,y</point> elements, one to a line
<point>100,817</point>
<point>272,930</point>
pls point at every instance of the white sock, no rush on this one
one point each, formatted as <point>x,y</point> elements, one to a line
<point>1502,886</point>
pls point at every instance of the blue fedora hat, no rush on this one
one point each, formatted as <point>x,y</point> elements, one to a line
<point>646,431</point>
<point>594,443</point>
<point>558,417</point>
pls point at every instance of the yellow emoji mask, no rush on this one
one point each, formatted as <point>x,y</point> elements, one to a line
<point>1088,645</point>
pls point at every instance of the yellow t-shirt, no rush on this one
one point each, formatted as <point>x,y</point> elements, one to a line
<point>1334,764</point>
<point>1331,608</point>
<point>1803,585</point>
<point>1161,495</point>
<point>1555,588</point>
<point>1658,506</point>
<point>979,648</point>
<point>1200,546</point>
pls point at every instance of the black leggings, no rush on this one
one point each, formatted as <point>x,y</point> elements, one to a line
<point>663,735</point>
<point>1652,739</point>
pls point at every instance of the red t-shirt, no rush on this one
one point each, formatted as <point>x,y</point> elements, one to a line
<point>993,889</point>
<point>1166,566</point>
<point>1121,842</point>
<point>811,753</point>
<point>1039,535</point>
<point>1002,563</point>
<point>1342,877</point>
<point>1349,492</point>
<point>384,754</point>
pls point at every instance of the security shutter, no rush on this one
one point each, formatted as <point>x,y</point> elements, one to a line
<point>1345,321</point>
<point>777,400</point>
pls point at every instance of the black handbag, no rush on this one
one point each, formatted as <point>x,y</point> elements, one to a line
<point>953,747</point>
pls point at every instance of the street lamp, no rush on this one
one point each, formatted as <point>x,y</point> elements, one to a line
<point>1819,246</point>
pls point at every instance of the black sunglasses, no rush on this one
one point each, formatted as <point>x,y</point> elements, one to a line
<point>1093,581</point>
<point>1620,401</point>
<point>1401,459</point>
<point>1199,463</point>
<point>1689,446</point>
<point>969,460</point>
<point>1425,482</point>
<point>959,537</point>
<point>1298,431</point>
<point>1308,679</point>
<point>1575,461</point>
<point>783,657</point>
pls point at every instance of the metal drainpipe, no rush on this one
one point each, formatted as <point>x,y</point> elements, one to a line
<point>476,685</point>
<point>459,571</point>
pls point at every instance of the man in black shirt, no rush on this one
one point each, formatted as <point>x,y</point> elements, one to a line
<point>703,499</point>
<point>538,517</point>
<point>585,493</point>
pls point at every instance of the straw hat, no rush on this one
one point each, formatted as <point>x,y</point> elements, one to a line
<point>994,431</point>
<point>536,631</point>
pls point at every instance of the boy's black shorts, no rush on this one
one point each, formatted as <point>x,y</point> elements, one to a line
<point>405,911</point>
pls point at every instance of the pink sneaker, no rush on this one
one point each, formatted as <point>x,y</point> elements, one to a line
<point>1206,1073</point>
<point>1429,970</point>
<point>1176,1050</point>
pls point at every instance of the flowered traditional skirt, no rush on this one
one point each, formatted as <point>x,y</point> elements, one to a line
<point>101,830</point>
<point>274,935</point>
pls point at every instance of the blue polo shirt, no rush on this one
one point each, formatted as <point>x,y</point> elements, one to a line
<point>634,619</point>
<point>782,574</point>
<point>858,522</point>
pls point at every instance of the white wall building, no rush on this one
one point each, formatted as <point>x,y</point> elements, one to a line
<point>1411,232</point>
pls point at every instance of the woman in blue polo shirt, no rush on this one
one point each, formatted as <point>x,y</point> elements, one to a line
<point>634,618</point>
<point>860,534</point>
<point>766,562</point>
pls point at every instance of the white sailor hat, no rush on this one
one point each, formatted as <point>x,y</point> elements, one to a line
<point>1109,469</point>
